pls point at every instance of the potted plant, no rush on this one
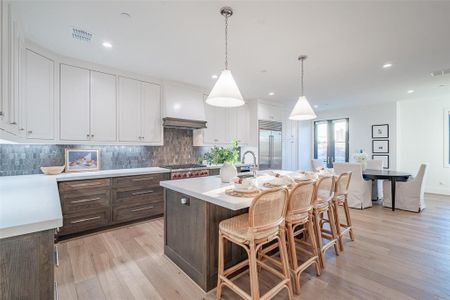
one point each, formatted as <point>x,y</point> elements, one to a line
<point>227,156</point>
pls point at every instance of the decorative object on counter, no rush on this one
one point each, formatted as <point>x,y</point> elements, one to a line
<point>361,157</point>
<point>244,184</point>
<point>305,176</point>
<point>302,109</point>
<point>228,171</point>
<point>380,131</point>
<point>383,158</point>
<point>246,194</point>
<point>227,156</point>
<point>53,170</point>
<point>79,160</point>
<point>380,146</point>
<point>225,92</point>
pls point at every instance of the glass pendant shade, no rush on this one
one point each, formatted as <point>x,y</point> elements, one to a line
<point>302,110</point>
<point>225,92</point>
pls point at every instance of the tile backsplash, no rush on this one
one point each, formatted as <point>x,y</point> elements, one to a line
<point>22,159</point>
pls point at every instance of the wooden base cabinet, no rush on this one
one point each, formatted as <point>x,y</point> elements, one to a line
<point>99,203</point>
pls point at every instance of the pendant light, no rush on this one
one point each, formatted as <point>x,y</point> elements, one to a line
<point>302,109</point>
<point>225,92</point>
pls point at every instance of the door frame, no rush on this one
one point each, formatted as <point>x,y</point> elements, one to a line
<point>330,145</point>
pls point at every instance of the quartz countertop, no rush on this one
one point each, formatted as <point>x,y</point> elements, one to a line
<point>30,203</point>
<point>212,189</point>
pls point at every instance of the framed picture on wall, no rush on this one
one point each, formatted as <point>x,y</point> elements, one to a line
<point>79,160</point>
<point>383,158</point>
<point>380,131</point>
<point>380,146</point>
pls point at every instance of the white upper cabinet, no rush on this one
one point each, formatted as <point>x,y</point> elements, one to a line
<point>3,61</point>
<point>217,125</point>
<point>139,111</point>
<point>269,112</point>
<point>39,96</point>
<point>103,107</point>
<point>151,113</point>
<point>74,103</point>
<point>239,124</point>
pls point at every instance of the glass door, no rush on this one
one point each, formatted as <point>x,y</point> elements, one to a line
<point>331,141</point>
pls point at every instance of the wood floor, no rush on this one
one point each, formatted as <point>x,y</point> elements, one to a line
<point>396,255</point>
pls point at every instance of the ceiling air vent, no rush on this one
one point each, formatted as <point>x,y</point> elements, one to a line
<point>440,72</point>
<point>81,35</point>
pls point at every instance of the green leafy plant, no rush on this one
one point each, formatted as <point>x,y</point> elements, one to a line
<point>219,155</point>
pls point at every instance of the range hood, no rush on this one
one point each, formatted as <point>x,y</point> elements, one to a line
<point>183,123</point>
<point>184,106</point>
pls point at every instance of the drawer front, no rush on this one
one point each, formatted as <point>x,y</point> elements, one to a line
<point>85,200</point>
<point>81,222</point>
<point>138,196</point>
<point>121,214</point>
<point>141,180</point>
<point>84,184</point>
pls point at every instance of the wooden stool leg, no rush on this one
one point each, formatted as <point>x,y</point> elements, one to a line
<point>338,225</point>
<point>333,228</point>
<point>253,270</point>
<point>293,256</point>
<point>312,238</point>
<point>220,268</point>
<point>284,261</point>
<point>348,219</point>
<point>318,232</point>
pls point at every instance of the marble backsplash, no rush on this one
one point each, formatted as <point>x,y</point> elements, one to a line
<point>23,159</point>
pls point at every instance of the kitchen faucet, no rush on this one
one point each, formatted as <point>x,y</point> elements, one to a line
<point>255,166</point>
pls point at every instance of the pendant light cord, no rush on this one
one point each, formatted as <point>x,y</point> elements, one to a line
<point>226,42</point>
<point>302,91</point>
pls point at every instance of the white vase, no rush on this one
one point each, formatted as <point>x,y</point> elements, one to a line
<point>227,172</point>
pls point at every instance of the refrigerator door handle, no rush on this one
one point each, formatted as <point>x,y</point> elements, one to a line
<point>271,150</point>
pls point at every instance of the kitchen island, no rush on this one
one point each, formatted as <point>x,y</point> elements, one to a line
<point>193,209</point>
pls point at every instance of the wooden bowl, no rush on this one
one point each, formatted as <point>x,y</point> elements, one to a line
<point>52,170</point>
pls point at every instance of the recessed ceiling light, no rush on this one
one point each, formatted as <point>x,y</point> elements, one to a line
<point>107,44</point>
<point>410,91</point>
<point>271,93</point>
<point>316,106</point>
<point>125,15</point>
<point>214,76</point>
<point>387,65</point>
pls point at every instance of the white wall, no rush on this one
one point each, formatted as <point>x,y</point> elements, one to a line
<point>420,139</point>
<point>361,120</point>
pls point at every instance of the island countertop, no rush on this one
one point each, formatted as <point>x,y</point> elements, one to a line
<point>211,189</point>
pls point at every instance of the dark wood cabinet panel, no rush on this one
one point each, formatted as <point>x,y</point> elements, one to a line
<point>123,214</point>
<point>26,266</point>
<point>86,199</point>
<point>131,197</point>
<point>85,220</point>
<point>140,180</point>
<point>84,184</point>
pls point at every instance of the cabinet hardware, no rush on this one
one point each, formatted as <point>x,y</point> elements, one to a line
<point>143,179</point>
<point>85,220</point>
<point>142,208</point>
<point>142,193</point>
<point>21,129</point>
<point>92,136</point>
<point>83,184</point>
<point>29,132</point>
<point>56,297</point>
<point>1,114</point>
<point>87,135</point>
<point>56,256</point>
<point>185,201</point>
<point>13,123</point>
<point>85,200</point>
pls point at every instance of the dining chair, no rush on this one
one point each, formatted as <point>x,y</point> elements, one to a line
<point>340,199</point>
<point>377,185</point>
<point>263,224</point>
<point>316,164</point>
<point>409,194</point>
<point>359,190</point>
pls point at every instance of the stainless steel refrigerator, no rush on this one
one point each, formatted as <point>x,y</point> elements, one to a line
<point>270,154</point>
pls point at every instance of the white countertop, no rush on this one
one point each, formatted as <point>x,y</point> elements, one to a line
<point>212,189</point>
<point>109,173</point>
<point>30,203</point>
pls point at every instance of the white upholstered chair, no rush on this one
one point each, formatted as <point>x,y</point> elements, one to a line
<point>360,190</point>
<point>410,194</point>
<point>377,185</point>
<point>316,164</point>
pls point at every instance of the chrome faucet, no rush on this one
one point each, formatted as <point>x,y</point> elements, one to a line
<point>255,166</point>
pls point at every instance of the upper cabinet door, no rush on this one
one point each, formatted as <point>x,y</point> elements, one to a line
<point>39,96</point>
<point>103,107</point>
<point>151,112</point>
<point>129,110</point>
<point>243,124</point>
<point>74,106</point>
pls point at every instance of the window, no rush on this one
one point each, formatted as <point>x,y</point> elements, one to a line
<point>447,138</point>
<point>331,141</point>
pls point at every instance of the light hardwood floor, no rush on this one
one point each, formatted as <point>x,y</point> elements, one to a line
<point>396,255</point>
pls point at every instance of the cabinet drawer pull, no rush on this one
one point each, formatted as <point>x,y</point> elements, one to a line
<point>85,200</point>
<point>142,193</point>
<point>143,179</point>
<point>85,220</point>
<point>56,256</point>
<point>142,208</point>
<point>56,295</point>
<point>83,184</point>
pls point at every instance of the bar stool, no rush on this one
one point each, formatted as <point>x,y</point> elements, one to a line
<point>323,203</point>
<point>340,199</point>
<point>264,223</point>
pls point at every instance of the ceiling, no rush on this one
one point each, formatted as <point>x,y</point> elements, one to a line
<point>346,42</point>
